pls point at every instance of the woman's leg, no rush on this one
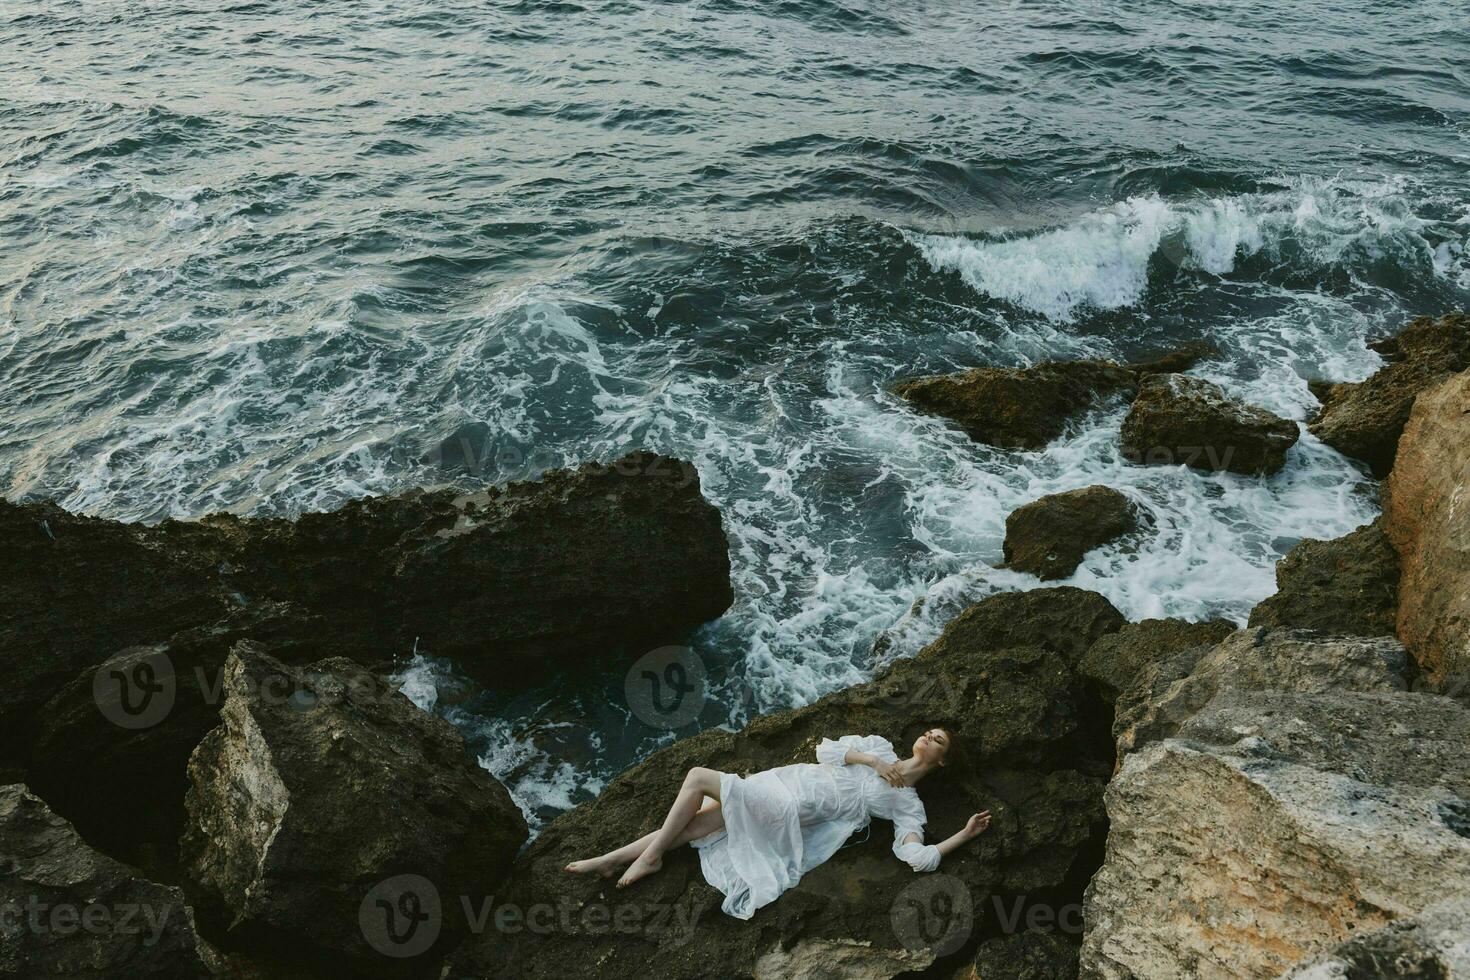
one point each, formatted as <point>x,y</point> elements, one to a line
<point>698,784</point>
<point>705,822</point>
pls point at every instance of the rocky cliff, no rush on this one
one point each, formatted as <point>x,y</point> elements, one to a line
<point>1427,517</point>
<point>1295,796</point>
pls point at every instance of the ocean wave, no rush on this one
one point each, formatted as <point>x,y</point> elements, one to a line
<point>1104,259</point>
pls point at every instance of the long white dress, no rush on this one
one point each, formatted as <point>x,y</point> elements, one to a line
<point>782,823</point>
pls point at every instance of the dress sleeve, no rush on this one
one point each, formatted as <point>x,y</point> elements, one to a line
<point>835,752</point>
<point>909,818</point>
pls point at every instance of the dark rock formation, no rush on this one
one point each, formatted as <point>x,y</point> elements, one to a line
<point>1026,408</point>
<point>1118,659</point>
<point>1178,419</point>
<point>999,676</point>
<point>321,792</point>
<point>120,777</point>
<point>1064,620</point>
<point>1049,536</point>
<point>1029,955</point>
<point>1426,515</point>
<point>1348,586</point>
<point>71,912</point>
<point>509,581</point>
<point>1364,420</point>
<point>1298,798</point>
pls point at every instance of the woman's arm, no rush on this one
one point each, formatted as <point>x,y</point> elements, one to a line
<point>973,828</point>
<point>846,751</point>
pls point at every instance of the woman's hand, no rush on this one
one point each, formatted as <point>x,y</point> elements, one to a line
<point>976,825</point>
<point>973,828</point>
<point>889,772</point>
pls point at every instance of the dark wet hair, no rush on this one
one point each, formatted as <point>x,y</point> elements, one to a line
<point>954,753</point>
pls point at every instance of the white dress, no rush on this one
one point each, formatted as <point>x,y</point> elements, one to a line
<point>782,823</point>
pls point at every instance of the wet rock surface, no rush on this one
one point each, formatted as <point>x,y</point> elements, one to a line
<point>321,788</point>
<point>1000,676</point>
<point>1026,408</point>
<point>1364,420</point>
<point>1426,516</point>
<point>1297,796</point>
<point>1049,536</point>
<point>1346,586</point>
<point>1177,419</point>
<point>511,582</point>
<point>73,913</point>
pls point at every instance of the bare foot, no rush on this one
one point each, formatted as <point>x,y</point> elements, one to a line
<point>639,869</point>
<point>598,865</point>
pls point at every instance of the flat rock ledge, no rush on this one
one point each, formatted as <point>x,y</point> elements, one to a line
<point>1001,676</point>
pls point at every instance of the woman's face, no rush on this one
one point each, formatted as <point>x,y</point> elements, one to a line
<point>932,745</point>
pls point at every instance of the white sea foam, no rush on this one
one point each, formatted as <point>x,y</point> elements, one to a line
<point>843,507</point>
<point>1102,259</point>
<point>538,782</point>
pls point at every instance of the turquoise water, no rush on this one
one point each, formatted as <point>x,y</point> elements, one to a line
<point>266,257</point>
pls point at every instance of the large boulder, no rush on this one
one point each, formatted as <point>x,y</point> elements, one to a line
<point>1347,586</point>
<point>1299,796</point>
<point>72,913</point>
<point>111,756</point>
<point>1178,419</point>
<point>1062,619</point>
<point>1433,945</point>
<point>1049,536</point>
<point>1034,758</point>
<point>1026,408</point>
<point>1364,420</point>
<point>510,581</point>
<point>1426,515</point>
<point>323,788</point>
<point>1116,661</point>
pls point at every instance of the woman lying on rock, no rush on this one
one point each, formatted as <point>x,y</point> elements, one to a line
<point>764,831</point>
